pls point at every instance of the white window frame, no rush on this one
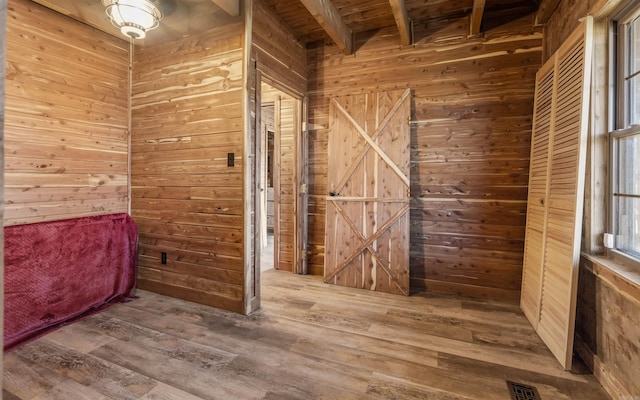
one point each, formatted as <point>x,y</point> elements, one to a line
<point>620,126</point>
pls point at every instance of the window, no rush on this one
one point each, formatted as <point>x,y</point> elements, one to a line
<point>625,139</point>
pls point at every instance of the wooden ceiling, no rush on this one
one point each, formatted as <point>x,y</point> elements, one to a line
<point>312,20</point>
<point>366,15</point>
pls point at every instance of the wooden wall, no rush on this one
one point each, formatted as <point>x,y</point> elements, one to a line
<point>66,128</point>
<point>607,332</point>
<point>563,22</point>
<point>470,145</point>
<point>187,110</point>
<point>278,54</point>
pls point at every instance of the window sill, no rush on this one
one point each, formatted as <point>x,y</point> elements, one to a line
<point>623,277</point>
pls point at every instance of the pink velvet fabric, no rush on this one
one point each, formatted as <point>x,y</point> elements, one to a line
<point>58,271</point>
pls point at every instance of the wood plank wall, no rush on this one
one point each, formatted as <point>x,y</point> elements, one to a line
<point>67,89</point>
<point>563,22</point>
<point>607,332</point>
<point>470,145</point>
<point>187,116</point>
<point>278,54</point>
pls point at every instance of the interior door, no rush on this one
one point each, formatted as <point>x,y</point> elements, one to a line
<point>556,193</point>
<point>367,225</point>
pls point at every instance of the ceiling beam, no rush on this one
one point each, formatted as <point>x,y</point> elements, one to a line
<point>476,16</point>
<point>231,7</point>
<point>331,21</point>
<point>546,9</point>
<point>402,21</point>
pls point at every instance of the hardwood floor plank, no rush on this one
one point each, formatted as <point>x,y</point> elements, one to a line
<point>505,357</point>
<point>177,367</point>
<point>387,387</point>
<point>166,392</point>
<point>309,341</point>
<point>549,386</point>
<point>6,395</point>
<point>81,339</point>
<point>265,348</point>
<point>25,380</point>
<point>354,342</point>
<point>106,378</point>
<point>71,390</point>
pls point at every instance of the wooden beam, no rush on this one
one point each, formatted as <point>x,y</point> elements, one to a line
<point>476,16</point>
<point>331,21</point>
<point>402,21</point>
<point>231,7</point>
<point>546,9</point>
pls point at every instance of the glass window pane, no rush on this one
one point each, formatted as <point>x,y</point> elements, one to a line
<point>634,100</point>
<point>628,234</point>
<point>626,187</point>
<point>628,208</point>
<point>629,165</point>
<point>634,47</point>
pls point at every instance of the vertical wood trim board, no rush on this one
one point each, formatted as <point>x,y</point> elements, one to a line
<point>66,118</point>
<point>300,187</point>
<point>277,162</point>
<point>249,167</point>
<point>264,117</point>
<point>3,28</point>
<point>556,196</point>
<point>130,95</point>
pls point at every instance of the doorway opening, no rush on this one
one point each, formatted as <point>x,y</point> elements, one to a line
<point>279,128</point>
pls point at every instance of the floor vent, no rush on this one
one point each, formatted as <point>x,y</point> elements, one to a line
<point>522,392</point>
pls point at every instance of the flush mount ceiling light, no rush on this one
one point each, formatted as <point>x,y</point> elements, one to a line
<point>133,17</point>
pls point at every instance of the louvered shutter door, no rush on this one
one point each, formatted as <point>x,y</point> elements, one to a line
<point>536,206</point>
<point>554,221</point>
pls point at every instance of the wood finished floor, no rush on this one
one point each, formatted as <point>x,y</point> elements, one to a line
<point>309,341</point>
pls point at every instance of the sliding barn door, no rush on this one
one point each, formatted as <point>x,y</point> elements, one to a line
<point>556,193</point>
<point>367,229</point>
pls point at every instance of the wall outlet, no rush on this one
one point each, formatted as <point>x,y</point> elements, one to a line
<point>608,240</point>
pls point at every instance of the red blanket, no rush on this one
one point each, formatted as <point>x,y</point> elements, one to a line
<point>59,271</point>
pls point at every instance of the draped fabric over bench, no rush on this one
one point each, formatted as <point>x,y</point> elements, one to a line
<point>58,271</point>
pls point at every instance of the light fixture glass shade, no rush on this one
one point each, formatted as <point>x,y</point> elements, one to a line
<point>133,17</point>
